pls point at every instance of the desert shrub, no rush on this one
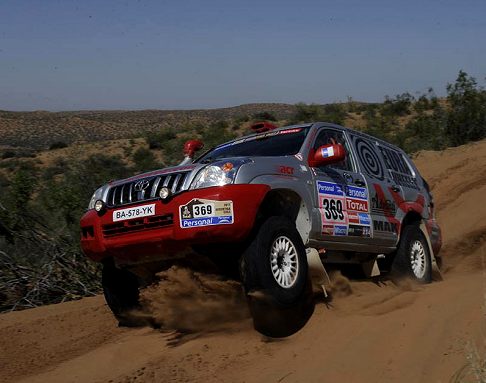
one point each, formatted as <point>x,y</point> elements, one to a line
<point>467,114</point>
<point>306,113</point>
<point>241,119</point>
<point>58,145</point>
<point>216,134</point>
<point>8,154</point>
<point>156,140</point>
<point>333,113</point>
<point>426,131</point>
<point>264,116</point>
<point>144,160</point>
<point>398,106</point>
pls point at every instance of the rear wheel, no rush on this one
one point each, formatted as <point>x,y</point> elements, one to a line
<point>120,288</point>
<point>413,257</point>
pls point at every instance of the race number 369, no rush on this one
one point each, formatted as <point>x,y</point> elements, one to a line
<point>333,209</point>
<point>203,210</point>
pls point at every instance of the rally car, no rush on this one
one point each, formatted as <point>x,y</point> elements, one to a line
<point>275,203</point>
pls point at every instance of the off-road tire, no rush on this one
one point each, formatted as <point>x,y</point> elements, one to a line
<point>256,269</point>
<point>412,243</point>
<point>120,288</point>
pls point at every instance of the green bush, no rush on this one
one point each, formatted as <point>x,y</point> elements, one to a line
<point>333,113</point>
<point>156,140</point>
<point>144,160</point>
<point>398,106</point>
<point>264,116</point>
<point>467,115</point>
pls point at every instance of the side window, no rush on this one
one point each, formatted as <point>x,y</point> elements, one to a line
<point>398,167</point>
<point>369,157</point>
<point>330,136</point>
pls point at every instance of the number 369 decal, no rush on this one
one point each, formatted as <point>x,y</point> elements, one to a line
<point>333,209</point>
<point>203,212</point>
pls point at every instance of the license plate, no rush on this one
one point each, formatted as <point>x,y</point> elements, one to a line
<point>134,212</point>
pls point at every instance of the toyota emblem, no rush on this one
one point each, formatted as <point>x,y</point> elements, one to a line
<point>141,185</point>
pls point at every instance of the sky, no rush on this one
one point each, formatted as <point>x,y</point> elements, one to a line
<point>73,55</point>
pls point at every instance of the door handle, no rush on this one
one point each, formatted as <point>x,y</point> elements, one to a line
<point>358,182</point>
<point>395,188</point>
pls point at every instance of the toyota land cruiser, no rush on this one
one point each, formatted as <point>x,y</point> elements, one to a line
<point>268,202</point>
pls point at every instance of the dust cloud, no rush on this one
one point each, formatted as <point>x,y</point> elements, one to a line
<point>190,301</point>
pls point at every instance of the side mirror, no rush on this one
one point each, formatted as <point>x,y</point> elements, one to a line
<point>191,147</point>
<point>326,155</point>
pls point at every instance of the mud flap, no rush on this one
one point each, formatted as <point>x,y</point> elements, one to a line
<point>370,268</point>
<point>436,274</point>
<point>317,273</point>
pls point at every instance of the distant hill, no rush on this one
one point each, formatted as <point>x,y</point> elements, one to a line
<point>40,129</point>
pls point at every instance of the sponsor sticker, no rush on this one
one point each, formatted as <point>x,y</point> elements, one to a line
<point>328,229</point>
<point>357,192</point>
<point>340,230</point>
<point>203,212</point>
<point>364,219</point>
<point>356,205</point>
<point>329,188</point>
<point>385,226</point>
<point>359,231</point>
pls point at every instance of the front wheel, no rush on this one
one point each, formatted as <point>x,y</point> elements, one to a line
<point>275,263</point>
<point>120,288</point>
<point>413,256</point>
<point>275,277</point>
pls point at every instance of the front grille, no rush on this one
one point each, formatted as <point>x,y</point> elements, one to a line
<point>136,225</point>
<point>127,193</point>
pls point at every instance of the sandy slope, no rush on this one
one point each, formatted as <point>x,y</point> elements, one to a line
<point>380,333</point>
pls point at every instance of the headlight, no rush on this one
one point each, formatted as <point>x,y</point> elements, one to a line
<point>217,174</point>
<point>97,195</point>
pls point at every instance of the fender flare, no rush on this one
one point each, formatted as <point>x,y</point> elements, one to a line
<point>436,273</point>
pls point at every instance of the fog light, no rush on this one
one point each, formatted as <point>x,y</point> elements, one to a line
<point>164,193</point>
<point>99,205</point>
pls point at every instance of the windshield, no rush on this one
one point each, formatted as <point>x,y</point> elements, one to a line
<point>274,143</point>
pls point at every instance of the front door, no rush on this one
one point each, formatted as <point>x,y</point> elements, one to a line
<point>342,195</point>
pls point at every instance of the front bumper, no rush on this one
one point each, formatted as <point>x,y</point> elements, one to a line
<point>161,236</point>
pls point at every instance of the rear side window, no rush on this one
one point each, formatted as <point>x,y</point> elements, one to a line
<point>369,157</point>
<point>398,167</point>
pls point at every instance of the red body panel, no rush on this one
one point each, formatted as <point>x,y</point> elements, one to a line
<point>150,244</point>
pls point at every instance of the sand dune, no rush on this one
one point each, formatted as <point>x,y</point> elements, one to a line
<point>381,332</point>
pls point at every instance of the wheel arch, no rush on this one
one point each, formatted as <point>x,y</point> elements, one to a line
<point>411,218</point>
<point>415,218</point>
<point>287,203</point>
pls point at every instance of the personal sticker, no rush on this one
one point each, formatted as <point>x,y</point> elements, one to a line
<point>204,212</point>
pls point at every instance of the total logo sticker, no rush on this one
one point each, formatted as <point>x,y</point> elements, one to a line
<point>203,212</point>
